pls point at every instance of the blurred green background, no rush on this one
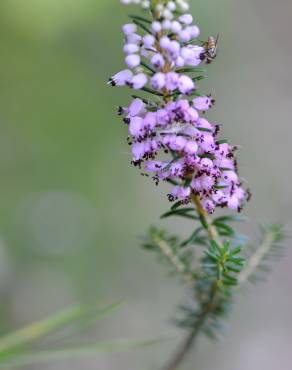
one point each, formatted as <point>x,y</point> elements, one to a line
<point>72,209</point>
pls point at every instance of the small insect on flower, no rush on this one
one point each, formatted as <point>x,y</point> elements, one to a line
<point>211,49</point>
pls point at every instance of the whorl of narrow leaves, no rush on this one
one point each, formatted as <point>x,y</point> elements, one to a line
<point>186,212</point>
<point>220,267</point>
<point>222,264</point>
<point>212,275</point>
<point>217,271</point>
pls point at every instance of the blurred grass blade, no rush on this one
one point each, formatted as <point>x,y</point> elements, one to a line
<point>84,323</point>
<point>41,328</point>
<point>29,357</point>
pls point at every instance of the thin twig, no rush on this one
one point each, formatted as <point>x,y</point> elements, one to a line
<point>188,343</point>
<point>174,259</point>
<point>183,350</point>
<point>256,258</point>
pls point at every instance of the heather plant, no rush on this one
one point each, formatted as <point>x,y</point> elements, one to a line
<point>172,142</point>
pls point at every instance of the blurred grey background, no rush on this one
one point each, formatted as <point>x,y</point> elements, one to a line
<point>72,209</point>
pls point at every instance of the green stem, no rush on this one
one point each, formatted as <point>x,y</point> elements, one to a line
<point>207,307</point>
<point>206,221</point>
<point>189,341</point>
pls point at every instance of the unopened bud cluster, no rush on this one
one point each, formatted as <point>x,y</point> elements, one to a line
<point>168,134</point>
<point>163,8</point>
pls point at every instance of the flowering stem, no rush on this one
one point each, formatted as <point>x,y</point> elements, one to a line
<point>172,141</point>
<point>208,306</point>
